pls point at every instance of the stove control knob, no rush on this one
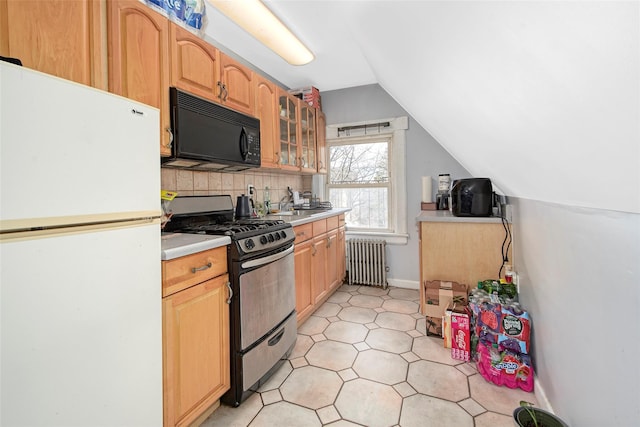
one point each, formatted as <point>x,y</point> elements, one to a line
<point>249,244</point>
<point>283,234</point>
<point>271,239</point>
<point>263,239</point>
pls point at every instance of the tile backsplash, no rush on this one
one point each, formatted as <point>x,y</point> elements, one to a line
<point>197,183</point>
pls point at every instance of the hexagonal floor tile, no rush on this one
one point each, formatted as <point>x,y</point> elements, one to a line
<point>240,416</point>
<point>431,348</point>
<point>339,297</point>
<point>400,306</point>
<point>366,301</point>
<point>421,325</point>
<point>285,414</point>
<point>328,309</point>
<point>419,410</point>
<point>277,378</point>
<point>311,387</point>
<point>347,332</point>
<point>397,321</point>
<point>303,344</point>
<point>332,355</point>
<point>313,326</point>
<point>495,398</point>
<point>389,340</point>
<point>348,288</point>
<point>373,290</point>
<point>357,314</point>
<point>381,366</point>
<point>438,380</point>
<point>406,294</point>
<point>491,419</point>
<point>369,403</point>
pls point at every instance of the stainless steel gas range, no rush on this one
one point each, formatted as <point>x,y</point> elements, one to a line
<point>263,326</point>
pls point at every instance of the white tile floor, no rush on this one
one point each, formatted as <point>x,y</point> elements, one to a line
<point>363,359</point>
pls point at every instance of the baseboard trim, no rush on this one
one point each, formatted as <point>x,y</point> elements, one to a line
<point>541,396</point>
<point>399,283</point>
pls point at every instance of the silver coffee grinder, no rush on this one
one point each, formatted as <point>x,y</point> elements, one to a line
<point>444,187</point>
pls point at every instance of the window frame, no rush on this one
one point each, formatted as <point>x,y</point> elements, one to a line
<point>354,140</point>
<point>396,132</point>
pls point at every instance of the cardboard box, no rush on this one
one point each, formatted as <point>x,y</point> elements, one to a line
<point>308,94</point>
<point>439,295</point>
<point>425,206</point>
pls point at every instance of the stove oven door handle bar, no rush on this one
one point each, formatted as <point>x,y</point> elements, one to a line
<point>266,260</point>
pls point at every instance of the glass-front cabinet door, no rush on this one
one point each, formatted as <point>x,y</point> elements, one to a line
<point>288,125</point>
<point>308,138</point>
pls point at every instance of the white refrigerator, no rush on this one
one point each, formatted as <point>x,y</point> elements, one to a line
<point>80,273</point>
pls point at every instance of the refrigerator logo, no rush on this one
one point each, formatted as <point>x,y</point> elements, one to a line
<point>136,112</point>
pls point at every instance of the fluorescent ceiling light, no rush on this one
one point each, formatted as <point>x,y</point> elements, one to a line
<point>255,18</point>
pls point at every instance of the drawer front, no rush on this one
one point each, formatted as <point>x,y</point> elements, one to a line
<point>186,271</point>
<point>319,227</point>
<point>303,232</point>
<point>341,220</point>
<point>333,222</point>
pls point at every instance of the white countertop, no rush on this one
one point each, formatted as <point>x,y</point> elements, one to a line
<point>175,245</point>
<point>306,216</point>
<point>446,216</point>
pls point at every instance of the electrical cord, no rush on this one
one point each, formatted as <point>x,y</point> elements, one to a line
<point>505,254</point>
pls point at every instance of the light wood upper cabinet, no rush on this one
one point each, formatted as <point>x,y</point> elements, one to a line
<point>288,130</point>
<point>59,37</point>
<point>195,64</point>
<point>307,160</point>
<point>139,58</point>
<point>266,109</point>
<point>321,143</point>
<point>236,84</point>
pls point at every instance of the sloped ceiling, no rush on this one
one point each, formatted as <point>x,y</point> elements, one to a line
<point>542,97</point>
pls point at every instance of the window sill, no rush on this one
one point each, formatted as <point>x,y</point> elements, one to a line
<point>390,238</point>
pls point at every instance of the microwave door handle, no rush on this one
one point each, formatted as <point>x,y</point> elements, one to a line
<point>244,144</point>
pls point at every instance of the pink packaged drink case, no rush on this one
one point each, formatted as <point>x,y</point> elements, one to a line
<point>460,336</point>
<point>504,367</point>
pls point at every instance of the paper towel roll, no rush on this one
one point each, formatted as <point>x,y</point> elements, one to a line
<point>426,189</point>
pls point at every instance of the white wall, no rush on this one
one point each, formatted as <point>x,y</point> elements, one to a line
<point>424,157</point>
<point>544,96</point>
<point>579,272</point>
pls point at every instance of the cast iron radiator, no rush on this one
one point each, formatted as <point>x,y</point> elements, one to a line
<point>367,262</point>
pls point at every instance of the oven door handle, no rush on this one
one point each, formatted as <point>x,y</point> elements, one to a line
<point>268,259</point>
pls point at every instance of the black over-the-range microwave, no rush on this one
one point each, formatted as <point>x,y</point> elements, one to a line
<point>208,136</point>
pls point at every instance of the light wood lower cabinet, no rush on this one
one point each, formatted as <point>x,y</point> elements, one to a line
<point>320,280</point>
<point>195,340</point>
<point>462,252</point>
<point>319,263</point>
<point>302,260</point>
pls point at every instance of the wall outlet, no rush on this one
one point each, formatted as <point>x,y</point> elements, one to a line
<point>251,190</point>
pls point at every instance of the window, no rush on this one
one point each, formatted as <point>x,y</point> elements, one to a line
<point>367,175</point>
<point>359,179</point>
